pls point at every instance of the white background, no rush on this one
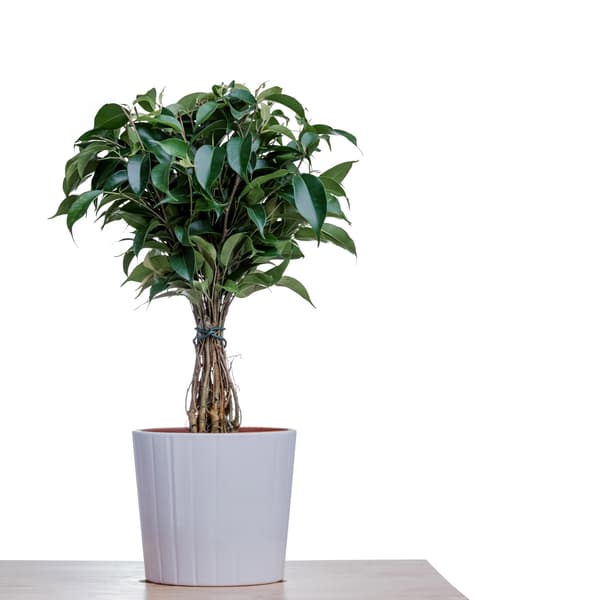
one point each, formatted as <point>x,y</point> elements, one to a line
<point>445,388</point>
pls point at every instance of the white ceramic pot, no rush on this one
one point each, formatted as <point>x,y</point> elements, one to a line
<point>214,507</point>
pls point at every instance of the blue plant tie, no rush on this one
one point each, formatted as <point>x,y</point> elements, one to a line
<point>203,333</point>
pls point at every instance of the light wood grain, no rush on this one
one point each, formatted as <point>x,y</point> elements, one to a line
<point>304,580</point>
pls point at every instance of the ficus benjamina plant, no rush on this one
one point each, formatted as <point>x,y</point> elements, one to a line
<point>217,191</point>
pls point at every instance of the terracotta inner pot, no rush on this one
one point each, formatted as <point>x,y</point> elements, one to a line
<point>241,429</point>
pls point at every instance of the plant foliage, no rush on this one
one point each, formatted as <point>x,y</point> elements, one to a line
<point>217,190</point>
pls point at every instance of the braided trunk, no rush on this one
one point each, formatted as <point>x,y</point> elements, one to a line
<point>213,404</point>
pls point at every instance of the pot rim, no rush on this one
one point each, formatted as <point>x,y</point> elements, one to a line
<point>184,431</point>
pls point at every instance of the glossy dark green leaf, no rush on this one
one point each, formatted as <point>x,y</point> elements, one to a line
<point>127,258</point>
<point>323,129</point>
<point>182,235</point>
<point>205,111</point>
<point>138,172</point>
<point>175,197</point>
<point>238,155</point>
<point>339,172</point>
<point>208,163</point>
<point>160,176</point>
<point>158,286</point>
<point>111,116</point>
<point>175,147</point>
<point>200,226</point>
<point>138,240</point>
<point>243,95</point>
<point>184,264</point>
<point>72,177</point>
<point>65,205</point>
<point>115,180</point>
<point>258,216</point>
<point>290,102</point>
<point>151,139</point>
<point>106,167</point>
<point>80,206</point>
<point>295,286</point>
<point>310,200</point>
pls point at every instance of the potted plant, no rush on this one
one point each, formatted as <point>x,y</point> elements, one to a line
<point>218,190</point>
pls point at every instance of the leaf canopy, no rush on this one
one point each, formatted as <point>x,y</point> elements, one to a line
<point>217,189</point>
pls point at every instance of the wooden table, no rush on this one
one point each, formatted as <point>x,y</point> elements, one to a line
<point>304,580</point>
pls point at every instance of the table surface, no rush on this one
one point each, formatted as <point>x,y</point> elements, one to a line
<point>304,580</point>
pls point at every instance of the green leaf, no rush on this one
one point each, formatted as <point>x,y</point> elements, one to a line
<point>160,176</point>
<point>159,285</point>
<point>309,140</point>
<point>184,264</point>
<point>115,180</point>
<point>72,178</point>
<point>277,128</point>
<point>175,197</point>
<point>148,100</point>
<point>351,138</point>
<point>258,216</point>
<point>201,226</point>
<point>175,147</point>
<point>111,116</point>
<point>310,200</point>
<point>152,142</point>
<point>205,111</point>
<point>88,155</point>
<point>65,205</point>
<point>207,256</point>
<point>339,237</point>
<point>189,102</point>
<point>238,155</point>
<point>243,95</point>
<point>208,163</point>
<point>276,273</point>
<point>295,286</point>
<point>80,206</point>
<point>332,186</point>
<point>290,102</point>
<point>329,233</point>
<point>139,239</point>
<point>182,235</point>
<point>258,181</point>
<point>334,209</point>
<point>339,172</point>
<point>138,172</point>
<point>229,247</point>
<point>266,94</point>
<point>164,120</point>
<point>139,273</point>
<point>128,256</point>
